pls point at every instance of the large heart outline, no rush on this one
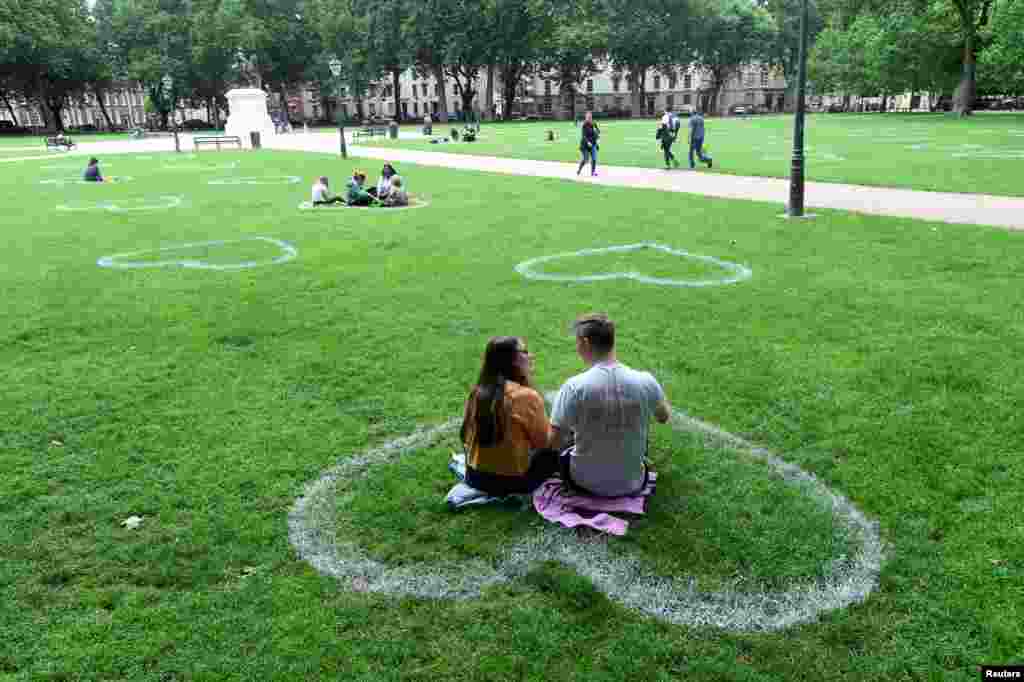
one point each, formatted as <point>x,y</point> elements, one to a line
<point>252,180</point>
<point>739,272</point>
<point>414,203</point>
<point>82,181</point>
<point>168,202</point>
<point>289,252</point>
<point>312,532</point>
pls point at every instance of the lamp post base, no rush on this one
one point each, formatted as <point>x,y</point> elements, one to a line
<point>341,133</point>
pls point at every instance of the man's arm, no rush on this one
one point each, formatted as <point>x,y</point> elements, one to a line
<point>662,411</point>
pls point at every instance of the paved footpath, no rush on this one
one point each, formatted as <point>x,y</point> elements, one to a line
<point>975,209</point>
<point>972,209</point>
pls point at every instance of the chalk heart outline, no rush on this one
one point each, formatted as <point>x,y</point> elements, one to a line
<point>738,272</point>
<point>288,252</point>
<point>163,203</point>
<point>253,180</point>
<point>312,532</point>
<point>81,181</point>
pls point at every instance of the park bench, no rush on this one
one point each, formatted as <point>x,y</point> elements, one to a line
<point>59,144</point>
<point>217,140</point>
<point>370,131</point>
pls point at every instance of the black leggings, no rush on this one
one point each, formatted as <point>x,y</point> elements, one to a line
<point>544,464</point>
<point>332,200</point>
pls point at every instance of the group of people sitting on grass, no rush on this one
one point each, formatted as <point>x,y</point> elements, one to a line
<point>389,192</point>
<point>596,437</point>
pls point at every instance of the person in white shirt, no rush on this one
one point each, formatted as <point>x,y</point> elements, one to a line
<point>603,415</point>
<point>397,196</point>
<point>383,187</point>
<point>322,193</point>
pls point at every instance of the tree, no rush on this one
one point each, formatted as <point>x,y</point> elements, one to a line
<point>388,45</point>
<point>430,36</point>
<point>47,52</point>
<point>1002,61</point>
<point>217,37</point>
<point>281,40</point>
<point>646,34</point>
<point>733,34</point>
<point>575,46</point>
<point>512,34</point>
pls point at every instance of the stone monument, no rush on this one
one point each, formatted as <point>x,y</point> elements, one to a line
<point>247,113</point>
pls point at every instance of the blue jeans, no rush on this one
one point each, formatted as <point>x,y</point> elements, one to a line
<point>590,154</point>
<point>696,145</point>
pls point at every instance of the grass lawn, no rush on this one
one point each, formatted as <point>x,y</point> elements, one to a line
<point>883,355</point>
<point>981,154</point>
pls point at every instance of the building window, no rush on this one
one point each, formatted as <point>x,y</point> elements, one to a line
<point>547,89</point>
<point>657,82</point>
<point>749,98</point>
<point>672,82</point>
<point>548,104</point>
<point>687,82</point>
<point>415,108</point>
<point>590,85</point>
<point>748,79</point>
<point>618,102</point>
<point>687,100</point>
<point>670,102</point>
<point>764,78</point>
<point>590,103</point>
<point>616,80</point>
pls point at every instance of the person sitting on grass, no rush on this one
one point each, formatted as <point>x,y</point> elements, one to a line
<point>92,171</point>
<point>322,193</point>
<point>397,196</point>
<point>603,415</point>
<point>355,194</point>
<point>505,428</point>
<point>384,184</point>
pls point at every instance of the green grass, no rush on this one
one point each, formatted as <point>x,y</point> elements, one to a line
<point>864,149</point>
<point>883,355</point>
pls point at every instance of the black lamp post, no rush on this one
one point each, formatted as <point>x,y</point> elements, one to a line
<point>168,84</point>
<point>335,66</point>
<point>796,174</point>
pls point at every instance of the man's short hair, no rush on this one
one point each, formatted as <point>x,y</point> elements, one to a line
<point>598,329</point>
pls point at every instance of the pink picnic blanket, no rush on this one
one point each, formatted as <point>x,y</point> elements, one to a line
<point>558,505</point>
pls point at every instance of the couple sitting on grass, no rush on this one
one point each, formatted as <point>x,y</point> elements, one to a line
<point>596,439</point>
<point>389,192</point>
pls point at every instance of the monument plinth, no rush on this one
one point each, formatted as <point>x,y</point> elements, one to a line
<point>247,113</point>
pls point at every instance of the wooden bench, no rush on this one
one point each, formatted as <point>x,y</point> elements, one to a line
<point>370,131</point>
<point>217,140</point>
<point>58,143</point>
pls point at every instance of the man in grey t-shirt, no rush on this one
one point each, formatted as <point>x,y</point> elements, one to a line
<point>608,409</point>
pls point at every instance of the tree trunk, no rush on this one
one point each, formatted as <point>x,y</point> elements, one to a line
<point>103,109</point>
<point>636,75</point>
<point>509,80</point>
<point>571,90</point>
<point>7,102</point>
<point>885,103</point>
<point>395,73</point>
<point>963,96</point>
<point>488,106</point>
<point>442,99</point>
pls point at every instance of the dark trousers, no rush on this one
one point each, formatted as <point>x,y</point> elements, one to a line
<point>697,145</point>
<point>362,201</point>
<point>589,153</point>
<point>332,200</point>
<point>670,158</point>
<point>544,464</point>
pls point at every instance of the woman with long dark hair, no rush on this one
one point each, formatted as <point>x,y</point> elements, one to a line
<point>505,428</point>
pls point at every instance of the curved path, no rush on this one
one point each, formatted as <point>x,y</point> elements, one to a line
<point>972,209</point>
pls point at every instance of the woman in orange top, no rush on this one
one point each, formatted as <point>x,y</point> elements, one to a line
<point>505,428</point>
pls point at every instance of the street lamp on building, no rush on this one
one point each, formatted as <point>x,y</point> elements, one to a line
<point>168,84</point>
<point>335,66</point>
<point>796,173</point>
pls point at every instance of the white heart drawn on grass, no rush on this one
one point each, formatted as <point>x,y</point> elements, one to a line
<point>148,204</point>
<point>736,271</point>
<point>268,180</point>
<point>121,260</point>
<point>313,532</point>
<point>81,181</point>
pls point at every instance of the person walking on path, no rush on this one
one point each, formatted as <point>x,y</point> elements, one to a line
<point>667,136</point>
<point>589,135</point>
<point>697,139</point>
